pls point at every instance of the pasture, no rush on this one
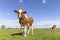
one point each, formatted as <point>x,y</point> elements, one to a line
<point>39,34</point>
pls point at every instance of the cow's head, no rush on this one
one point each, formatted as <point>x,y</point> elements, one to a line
<point>20,12</point>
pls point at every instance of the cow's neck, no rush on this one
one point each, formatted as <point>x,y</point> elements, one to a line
<point>25,16</point>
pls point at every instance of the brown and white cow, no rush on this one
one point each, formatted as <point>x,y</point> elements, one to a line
<point>25,21</point>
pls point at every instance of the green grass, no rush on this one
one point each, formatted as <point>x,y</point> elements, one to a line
<point>39,34</point>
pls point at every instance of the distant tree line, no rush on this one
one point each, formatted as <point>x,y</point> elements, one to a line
<point>2,26</point>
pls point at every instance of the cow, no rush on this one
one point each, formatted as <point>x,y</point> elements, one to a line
<point>24,21</point>
<point>53,27</point>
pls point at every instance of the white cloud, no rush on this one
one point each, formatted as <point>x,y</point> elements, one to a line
<point>44,1</point>
<point>49,24</point>
<point>11,24</point>
<point>21,1</point>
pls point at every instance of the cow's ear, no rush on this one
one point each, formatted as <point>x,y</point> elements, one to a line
<point>25,12</point>
<point>15,11</point>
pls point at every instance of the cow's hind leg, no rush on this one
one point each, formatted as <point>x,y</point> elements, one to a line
<point>22,30</point>
<point>32,30</point>
<point>25,31</point>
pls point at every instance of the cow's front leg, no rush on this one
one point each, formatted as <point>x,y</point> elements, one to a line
<point>28,30</point>
<point>22,28</point>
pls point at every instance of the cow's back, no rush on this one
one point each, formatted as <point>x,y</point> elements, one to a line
<point>30,21</point>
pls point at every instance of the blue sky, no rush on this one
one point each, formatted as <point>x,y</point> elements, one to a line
<point>43,11</point>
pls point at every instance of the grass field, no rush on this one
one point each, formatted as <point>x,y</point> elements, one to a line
<point>39,34</point>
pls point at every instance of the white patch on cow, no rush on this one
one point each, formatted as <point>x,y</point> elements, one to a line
<point>26,16</point>
<point>20,12</point>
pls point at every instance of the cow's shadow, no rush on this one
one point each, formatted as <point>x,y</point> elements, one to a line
<point>16,34</point>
